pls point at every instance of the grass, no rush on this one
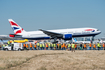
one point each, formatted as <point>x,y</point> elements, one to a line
<point>52,60</point>
<point>42,68</point>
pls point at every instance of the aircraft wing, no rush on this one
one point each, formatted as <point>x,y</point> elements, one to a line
<point>51,34</point>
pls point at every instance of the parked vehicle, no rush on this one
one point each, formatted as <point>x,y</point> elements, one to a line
<point>16,46</point>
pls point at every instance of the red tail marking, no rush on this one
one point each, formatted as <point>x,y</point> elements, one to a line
<point>11,35</point>
<point>19,31</point>
<point>12,23</point>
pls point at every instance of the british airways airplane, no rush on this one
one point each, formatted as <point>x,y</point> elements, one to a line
<point>66,34</point>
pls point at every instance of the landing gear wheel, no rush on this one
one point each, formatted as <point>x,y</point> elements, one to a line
<point>19,49</point>
<point>6,49</point>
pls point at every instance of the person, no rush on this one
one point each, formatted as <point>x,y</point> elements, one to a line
<point>73,47</point>
<point>59,46</point>
<point>104,46</point>
<point>98,45</point>
<point>24,45</point>
<point>30,46</point>
<point>9,43</point>
<point>38,45</point>
<point>46,46</point>
<point>69,46</point>
<point>85,48</point>
<point>63,46</point>
<point>3,47</point>
<point>81,46</point>
<point>94,47</point>
<point>12,45</point>
<point>0,47</point>
<point>66,46</point>
<point>49,45</point>
<point>54,46</point>
<point>43,46</point>
<point>90,45</point>
<point>35,46</point>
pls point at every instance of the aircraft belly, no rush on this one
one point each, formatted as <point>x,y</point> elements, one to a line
<point>36,37</point>
<point>83,34</point>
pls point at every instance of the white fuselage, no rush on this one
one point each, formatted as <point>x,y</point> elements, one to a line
<point>76,32</point>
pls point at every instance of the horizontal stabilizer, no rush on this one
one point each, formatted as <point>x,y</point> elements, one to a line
<point>14,35</point>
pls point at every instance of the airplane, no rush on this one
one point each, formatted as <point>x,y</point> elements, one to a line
<point>66,34</point>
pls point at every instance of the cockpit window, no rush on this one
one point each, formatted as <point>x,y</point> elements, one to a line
<point>97,30</point>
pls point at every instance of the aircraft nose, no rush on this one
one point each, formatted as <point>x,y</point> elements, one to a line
<point>99,32</point>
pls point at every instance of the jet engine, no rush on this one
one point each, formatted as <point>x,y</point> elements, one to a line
<point>67,36</point>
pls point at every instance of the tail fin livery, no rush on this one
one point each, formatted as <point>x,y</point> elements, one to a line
<point>16,28</point>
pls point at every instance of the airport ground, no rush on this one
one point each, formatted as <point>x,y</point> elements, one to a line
<point>52,60</point>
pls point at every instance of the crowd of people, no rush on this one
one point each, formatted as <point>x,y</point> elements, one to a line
<point>50,46</point>
<point>59,46</point>
<point>63,46</point>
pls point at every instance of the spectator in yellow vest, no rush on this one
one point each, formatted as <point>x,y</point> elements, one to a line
<point>52,46</point>
<point>98,45</point>
<point>59,47</point>
<point>38,45</point>
<point>43,46</point>
<point>73,47</point>
<point>69,45</point>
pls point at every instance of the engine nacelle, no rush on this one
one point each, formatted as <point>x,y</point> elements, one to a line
<point>67,36</point>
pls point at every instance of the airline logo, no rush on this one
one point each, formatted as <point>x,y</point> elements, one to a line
<point>92,30</point>
<point>16,28</point>
<point>13,23</point>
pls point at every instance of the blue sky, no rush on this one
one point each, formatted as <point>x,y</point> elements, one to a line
<point>52,14</point>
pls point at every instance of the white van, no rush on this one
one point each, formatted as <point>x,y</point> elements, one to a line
<point>16,46</point>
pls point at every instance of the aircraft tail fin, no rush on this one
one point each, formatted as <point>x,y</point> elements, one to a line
<point>16,28</point>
